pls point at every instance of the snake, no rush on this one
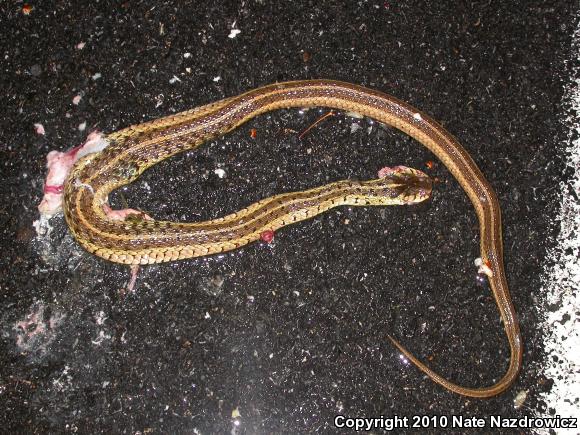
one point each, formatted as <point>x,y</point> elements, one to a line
<point>132,150</point>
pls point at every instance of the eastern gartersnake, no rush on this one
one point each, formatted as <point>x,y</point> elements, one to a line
<point>132,150</point>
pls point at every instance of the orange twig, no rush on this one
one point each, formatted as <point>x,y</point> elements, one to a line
<point>318,121</point>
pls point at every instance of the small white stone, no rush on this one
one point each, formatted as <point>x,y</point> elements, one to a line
<point>520,399</point>
<point>234,33</point>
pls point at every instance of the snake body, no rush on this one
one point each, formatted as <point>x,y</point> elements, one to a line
<point>132,150</point>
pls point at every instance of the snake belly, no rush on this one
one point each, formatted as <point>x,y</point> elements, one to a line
<point>132,150</point>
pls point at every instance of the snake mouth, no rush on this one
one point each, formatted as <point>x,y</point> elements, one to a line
<point>423,190</point>
<point>420,186</point>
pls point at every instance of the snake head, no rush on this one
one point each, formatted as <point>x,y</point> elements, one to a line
<point>412,185</point>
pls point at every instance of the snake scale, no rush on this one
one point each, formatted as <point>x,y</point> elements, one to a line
<point>140,241</point>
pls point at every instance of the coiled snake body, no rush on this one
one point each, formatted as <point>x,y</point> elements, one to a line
<point>139,241</point>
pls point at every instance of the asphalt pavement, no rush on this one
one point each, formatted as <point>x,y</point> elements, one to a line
<point>280,337</point>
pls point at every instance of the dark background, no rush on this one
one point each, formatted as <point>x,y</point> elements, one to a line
<point>289,334</point>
